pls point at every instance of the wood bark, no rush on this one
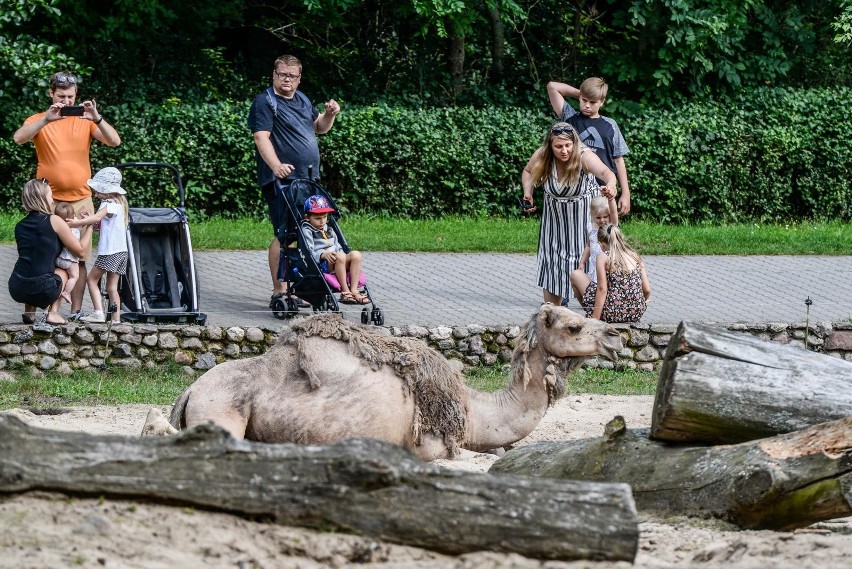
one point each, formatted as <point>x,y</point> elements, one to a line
<point>718,386</point>
<point>498,43</point>
<point>456,57</point>
<point>783,482</point>
<point>358,486</point>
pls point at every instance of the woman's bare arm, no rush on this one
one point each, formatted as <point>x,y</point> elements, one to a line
<point>60,227</point>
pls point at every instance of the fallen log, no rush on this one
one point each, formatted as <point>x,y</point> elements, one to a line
<point>358,486</point>
<point>718,386</point>
<point>783,482</point>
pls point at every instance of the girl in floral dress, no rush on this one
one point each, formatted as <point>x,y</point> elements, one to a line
<point>623,290</point>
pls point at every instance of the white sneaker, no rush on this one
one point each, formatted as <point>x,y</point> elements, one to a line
<point>96,316</point>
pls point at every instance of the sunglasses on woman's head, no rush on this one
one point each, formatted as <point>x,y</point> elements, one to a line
<point>562,129</point>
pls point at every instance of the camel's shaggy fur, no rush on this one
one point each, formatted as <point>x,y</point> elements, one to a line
<point>440,398</point>
<point>328,379</point>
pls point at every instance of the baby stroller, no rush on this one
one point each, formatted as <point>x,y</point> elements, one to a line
<point>297,267</point>
<point>161,284</point>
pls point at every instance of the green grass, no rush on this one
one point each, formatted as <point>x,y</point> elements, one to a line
<point>160,386</point>
<point>114,386</point>
<point>446,235</point>
<point>597,381</point>
<point>826,238</point>
<point>453,234</point>
<point>609,382</point>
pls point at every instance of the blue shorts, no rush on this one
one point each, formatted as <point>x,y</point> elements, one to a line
<point>277,208</point>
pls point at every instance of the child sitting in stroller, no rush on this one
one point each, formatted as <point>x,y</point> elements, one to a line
<point>327,251</point>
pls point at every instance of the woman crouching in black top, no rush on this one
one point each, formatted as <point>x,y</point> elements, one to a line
<point>36,281</point>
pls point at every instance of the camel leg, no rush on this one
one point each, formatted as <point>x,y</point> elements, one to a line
<point>225,416</point>
<point>156,425</point>
<point>189,411</point>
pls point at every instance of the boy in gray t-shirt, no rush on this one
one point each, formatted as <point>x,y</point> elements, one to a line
<point>599,133</point>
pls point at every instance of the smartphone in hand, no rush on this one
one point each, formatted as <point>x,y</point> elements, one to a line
<point>71,111</point>
<point>525,204</point>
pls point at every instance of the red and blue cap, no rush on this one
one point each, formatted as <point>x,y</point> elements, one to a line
<point>317,204</point>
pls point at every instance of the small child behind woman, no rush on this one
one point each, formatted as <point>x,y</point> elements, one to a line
<point>622,290</point>
<point>603,210</point>
<point>66,259</point>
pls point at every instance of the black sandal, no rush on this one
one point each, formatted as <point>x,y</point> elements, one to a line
<point>300,302</point>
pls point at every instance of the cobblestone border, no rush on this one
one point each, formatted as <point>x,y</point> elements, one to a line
<point>76,345</point>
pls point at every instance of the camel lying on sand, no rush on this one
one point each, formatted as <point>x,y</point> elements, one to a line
<point>327,379</point>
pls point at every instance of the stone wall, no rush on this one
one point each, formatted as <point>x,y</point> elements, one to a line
<point>76,345</point>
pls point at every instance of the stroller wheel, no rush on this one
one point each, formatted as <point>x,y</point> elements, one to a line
<point>279,309</point>
<point>365,316</point>
<point>292,308</point>
<point>377,316</point>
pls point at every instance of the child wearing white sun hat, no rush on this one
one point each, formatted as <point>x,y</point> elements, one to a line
<point>112,218</point>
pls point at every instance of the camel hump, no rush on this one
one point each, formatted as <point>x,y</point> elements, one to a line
<point>157,425</point>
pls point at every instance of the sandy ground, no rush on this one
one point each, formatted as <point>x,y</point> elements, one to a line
<point>48,530</point>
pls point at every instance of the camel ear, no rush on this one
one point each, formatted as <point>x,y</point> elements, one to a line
<point>546,313</point>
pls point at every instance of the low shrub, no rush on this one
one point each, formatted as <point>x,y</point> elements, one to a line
<point>778,155</point>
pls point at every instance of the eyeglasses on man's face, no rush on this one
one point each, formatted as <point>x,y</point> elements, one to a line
<point>562,129</point>
<point>286,76</point>
<point>63,80</point>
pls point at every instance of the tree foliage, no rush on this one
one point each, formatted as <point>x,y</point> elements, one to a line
<point>443,98</point>
<point>843,24</point>
<point>29,60</point>
<point>427,52</point>
<point>683,48</point>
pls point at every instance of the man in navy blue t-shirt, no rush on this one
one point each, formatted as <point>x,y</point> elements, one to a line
<point>285,124</point>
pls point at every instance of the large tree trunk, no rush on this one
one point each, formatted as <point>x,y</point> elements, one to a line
<point>498,43</point>
<point>720,387</point>
<point>783,482</point>
<point>358,486</point>
<point>456,59</point>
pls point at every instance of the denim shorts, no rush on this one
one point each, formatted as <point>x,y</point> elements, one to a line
<point>38,291</point>
<point>278,211</point>
<point>277,208</point>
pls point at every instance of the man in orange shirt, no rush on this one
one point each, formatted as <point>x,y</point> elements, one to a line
<point>62,146</point>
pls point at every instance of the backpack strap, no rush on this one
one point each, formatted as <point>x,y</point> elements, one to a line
<point>273,102</point>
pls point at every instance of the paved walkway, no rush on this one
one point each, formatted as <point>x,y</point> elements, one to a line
<point>433,289</point>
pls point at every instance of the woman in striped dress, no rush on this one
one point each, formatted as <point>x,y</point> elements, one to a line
<point>566,170</point>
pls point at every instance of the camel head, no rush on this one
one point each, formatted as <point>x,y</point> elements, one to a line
<point>556,341</point>
<point>565,334</point>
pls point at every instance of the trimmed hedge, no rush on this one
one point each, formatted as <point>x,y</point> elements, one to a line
<point>776,156</point>
<point>779,154</point>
